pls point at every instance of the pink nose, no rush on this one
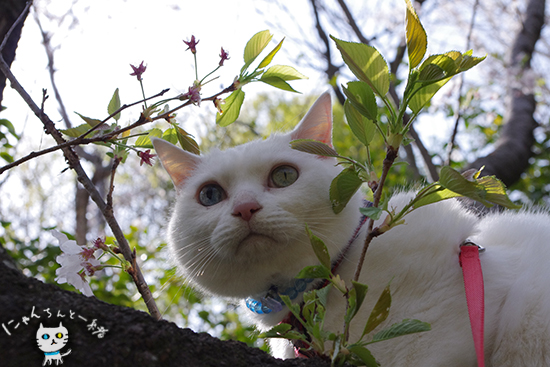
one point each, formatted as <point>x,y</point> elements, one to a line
<point>246,209</point>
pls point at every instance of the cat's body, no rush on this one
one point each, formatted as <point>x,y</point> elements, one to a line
<point>51,340</point>
<point>238,229</point>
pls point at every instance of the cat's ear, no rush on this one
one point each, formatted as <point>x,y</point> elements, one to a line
<point>177,162</point>
<point>60,324</point>
<point>317,123</point>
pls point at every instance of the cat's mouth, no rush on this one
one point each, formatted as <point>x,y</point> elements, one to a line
<point>253,242</point>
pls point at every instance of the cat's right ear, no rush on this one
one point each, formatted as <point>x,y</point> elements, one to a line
<point>317,123</point>
<point>177,162</point>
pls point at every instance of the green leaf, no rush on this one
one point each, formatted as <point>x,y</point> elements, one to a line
<point>322,295</point>
<point>284,72</point>
<point>319,248</point>
<point>439,193</point>
<point>357,296</point>
<point>367,64</point>
<point>380,311</point>
<point>343,187</point>
<point>313,147</point>
<point>404,327</point>
<point>114,105</point>
<point>231,109</point>
<point>417,40</point>
<point>276,331</point>
<point>145,140</point>
<point>446,62</point>
<point>454,181</point>
<point>372,212</point>
<point>364,355</point>
<point>75,132</point>
<point>431,73</point>
<point>277,82</point>
<point>89,121</point>
<point>255,46</point>
<point>468,61</point>
<point>187,142</point>
<point>8,158</point>
<point>495,192</point>
<point>363,128</point>
<point>267,60</point>
<point>283,331</point>
<point>171,136</point>
<point>313,272</point>
<point>487,190</point>
<point>9,126</point>
<point>424,94</point>
<point>362,98</point>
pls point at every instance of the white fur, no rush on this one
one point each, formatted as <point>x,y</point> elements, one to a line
<point>217,254</point>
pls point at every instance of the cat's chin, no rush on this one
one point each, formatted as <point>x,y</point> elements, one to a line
<point>255,244</point>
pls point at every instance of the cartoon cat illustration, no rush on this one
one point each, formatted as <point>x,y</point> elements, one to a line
<point>50,340</point>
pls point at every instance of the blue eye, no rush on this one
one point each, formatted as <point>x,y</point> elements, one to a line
<point>211,194</point>
<point>45,337</point>
<point>284,176</point>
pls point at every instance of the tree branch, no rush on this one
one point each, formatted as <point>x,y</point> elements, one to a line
<point>331,69</point>
<point>353,23</point>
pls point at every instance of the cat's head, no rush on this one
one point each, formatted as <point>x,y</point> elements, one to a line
<point>51,339</point>
<point>238,225</point>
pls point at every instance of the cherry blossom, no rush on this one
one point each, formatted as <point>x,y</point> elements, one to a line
<point>192,44</point>
<point>223,56</point>
<point>76,261</point>
<point>138,70</point>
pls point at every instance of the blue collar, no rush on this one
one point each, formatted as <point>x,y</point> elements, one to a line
<point>272,301</point>
<point>51,353</point>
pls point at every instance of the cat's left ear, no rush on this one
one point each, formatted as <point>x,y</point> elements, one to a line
<point>317,123</point>
<point>178,163</point>
<point>60,324</point>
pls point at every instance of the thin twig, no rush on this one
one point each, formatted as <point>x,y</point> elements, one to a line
<point>116,162</point>
<point>74,163</point>
<point>458,115</point>
<point>81,139</point>
<point>391,155</point>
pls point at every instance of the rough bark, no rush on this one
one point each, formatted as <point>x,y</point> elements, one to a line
<point>133,338</point>
<point>513,149</point>
<point>9,12</point>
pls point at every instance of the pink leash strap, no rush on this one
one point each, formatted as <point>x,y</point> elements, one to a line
<point>473,285</point>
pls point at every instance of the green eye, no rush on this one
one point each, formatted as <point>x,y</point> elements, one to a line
<point>211,194</point>
<point>283,176</point>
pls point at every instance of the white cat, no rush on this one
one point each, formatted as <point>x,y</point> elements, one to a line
<point>51,340</point>
<point>237,231</point>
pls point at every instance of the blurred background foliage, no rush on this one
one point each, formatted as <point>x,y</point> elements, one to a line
<point>143,195</point>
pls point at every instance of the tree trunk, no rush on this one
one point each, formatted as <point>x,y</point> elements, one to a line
<point>9,12</point>
<point>513,149</point>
